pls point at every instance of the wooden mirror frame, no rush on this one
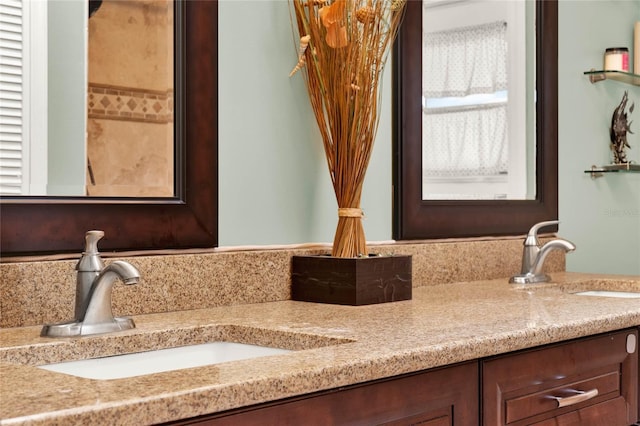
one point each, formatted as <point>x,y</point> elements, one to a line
<point>30,225</point>
<point>415,218</point>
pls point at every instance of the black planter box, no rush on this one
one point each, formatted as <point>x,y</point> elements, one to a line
<point>351,281</point>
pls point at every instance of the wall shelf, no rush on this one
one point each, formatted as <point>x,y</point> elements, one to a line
<point>599,171</point>
<point>624,77</point>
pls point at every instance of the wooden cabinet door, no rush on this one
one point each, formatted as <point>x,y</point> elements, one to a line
<point>586,382</point>
<point>441,397</point>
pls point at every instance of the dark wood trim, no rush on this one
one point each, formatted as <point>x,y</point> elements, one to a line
<point>31,225</point>
<point>415,218</point>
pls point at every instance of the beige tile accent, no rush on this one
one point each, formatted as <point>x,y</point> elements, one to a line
<point>129,104</point>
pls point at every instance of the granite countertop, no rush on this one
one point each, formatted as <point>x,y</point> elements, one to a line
<point>334,346</point>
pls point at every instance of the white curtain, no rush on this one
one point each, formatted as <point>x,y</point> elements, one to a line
<point>469,142</point>
<point>465,61</point>
<point>469,139</point>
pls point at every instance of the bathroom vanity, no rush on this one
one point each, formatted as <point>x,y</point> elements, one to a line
<point>542,386</point>
<point>483,352</point>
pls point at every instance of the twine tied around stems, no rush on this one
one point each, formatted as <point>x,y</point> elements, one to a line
<point>349,240</point>
<point>350,212</point>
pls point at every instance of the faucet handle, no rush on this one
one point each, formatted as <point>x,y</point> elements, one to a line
<point>532,236</point>
<point>91,239</point>
<point>91,260</point>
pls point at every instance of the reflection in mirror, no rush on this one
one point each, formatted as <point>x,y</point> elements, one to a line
<point>130,99</point>
<point>107,72</point>
<point>478,139</point>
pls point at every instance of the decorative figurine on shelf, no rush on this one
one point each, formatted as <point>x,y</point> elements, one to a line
<point>619,128</point>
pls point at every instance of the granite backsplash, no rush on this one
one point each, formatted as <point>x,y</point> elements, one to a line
<point>43,291</point>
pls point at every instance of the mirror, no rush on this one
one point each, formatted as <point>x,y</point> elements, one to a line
<point>188,219</point>
<point>477,132</point>
<point>99,78</point>
<point>417,216</point>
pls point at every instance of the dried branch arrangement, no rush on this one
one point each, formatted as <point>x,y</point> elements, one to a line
<point>344,45</point>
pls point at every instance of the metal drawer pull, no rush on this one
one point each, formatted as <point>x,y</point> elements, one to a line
<point>575,399</point>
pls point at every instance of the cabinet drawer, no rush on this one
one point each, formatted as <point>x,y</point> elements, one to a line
<point>607,413</point>
<point>593,378</point>
<point>544,401</point>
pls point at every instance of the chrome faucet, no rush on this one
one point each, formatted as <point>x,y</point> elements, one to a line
<point>533,256</point>
<point>94,283</point>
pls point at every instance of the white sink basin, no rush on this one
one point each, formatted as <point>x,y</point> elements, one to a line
<point>606,293</point>
<point>143,363</point>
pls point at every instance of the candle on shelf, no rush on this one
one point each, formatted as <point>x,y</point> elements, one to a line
<point>616,59</point>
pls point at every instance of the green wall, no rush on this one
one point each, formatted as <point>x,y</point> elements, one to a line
<point>274,183</point>
<point>274,186</point>
<point>601,216</point>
